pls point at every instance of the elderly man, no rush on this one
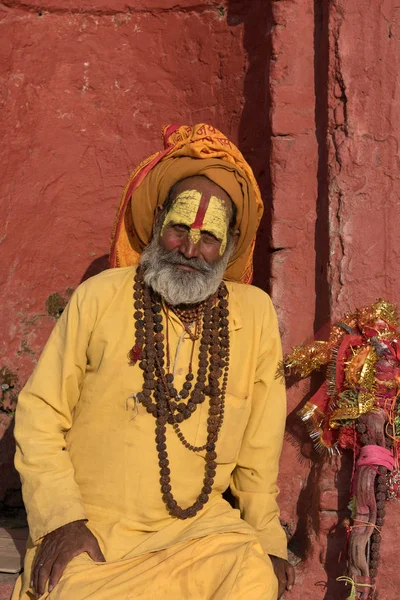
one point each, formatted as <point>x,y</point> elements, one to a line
<point>148,403</point>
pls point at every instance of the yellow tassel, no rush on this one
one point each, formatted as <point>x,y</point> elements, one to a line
<point>351,581</point>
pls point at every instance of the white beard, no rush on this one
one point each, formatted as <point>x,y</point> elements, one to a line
<point>178,286</point>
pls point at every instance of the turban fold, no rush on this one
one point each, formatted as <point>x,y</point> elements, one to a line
<point>198,150</point>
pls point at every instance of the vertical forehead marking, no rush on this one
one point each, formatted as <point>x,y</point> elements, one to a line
<point>183,209</point>
<point>199,211</point>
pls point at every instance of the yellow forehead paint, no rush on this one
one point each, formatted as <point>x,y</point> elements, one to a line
<point>200,212</point>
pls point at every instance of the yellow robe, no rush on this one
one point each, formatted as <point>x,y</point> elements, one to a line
<point>86,450</point>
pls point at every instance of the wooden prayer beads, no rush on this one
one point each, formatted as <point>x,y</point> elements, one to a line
<point>159,395</point>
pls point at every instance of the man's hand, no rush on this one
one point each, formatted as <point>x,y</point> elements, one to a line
<point>284,572</point>
<point>57,549</point>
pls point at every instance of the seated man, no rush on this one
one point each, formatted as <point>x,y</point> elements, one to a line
<point>155,393</point>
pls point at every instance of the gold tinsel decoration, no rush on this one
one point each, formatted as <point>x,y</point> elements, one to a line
<point>365,398</point>
<point>303,360</point>
<point>359,394</point>
<point>380,310</point>
<point>313,355</point>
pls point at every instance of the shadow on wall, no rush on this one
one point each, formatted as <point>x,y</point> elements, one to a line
<point>9,478</point>
<point>296,434</point>
<point>97,266</point>
<point>255,126</point>
<point>255,134</point>
<point>335,549</point>
<point>336,537</point>
<point>321,240</point>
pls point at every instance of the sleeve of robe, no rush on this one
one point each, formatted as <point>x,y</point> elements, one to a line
<point>254,480</point>
<point>44,415</point>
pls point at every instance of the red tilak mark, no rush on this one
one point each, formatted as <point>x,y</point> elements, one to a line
<point>201,213</point>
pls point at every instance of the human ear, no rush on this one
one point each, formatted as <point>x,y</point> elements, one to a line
<point>157,215</point>
<point>235,237</point>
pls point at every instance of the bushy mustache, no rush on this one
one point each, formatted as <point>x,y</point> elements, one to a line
<point>174,257</point>
<point>178,286</point>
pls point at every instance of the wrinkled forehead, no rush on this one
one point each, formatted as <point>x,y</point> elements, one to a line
<point>199,211</point>
<point>196,209</point>
<point>204,188</point>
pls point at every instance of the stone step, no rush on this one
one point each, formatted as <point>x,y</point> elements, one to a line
<point>12,548</point>
<point>7,581</point>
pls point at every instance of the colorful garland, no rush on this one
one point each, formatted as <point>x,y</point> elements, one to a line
<point>358,408</point>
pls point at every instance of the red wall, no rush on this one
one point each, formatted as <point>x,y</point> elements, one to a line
<point>309,91</point>
<point>335,122</point>
<point>84,92</point>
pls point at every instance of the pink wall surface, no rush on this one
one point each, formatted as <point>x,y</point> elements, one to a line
<point>309,91</point>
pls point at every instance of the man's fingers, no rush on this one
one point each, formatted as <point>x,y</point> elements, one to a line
<point>57,549</point>
<point>281,587</point>
<point>58,569</point>
<point>281,575</point>
<point>95,553</point>
<point>43,573</point>
<point>291,576</point>
<point>39,563</point>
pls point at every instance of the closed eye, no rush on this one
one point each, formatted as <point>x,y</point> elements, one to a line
<point>180,227</point>
<point>209,234</point>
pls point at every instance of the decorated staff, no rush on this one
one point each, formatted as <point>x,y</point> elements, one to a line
<point>358,408</point>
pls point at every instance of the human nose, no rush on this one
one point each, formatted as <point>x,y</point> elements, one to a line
<point>190,247</point>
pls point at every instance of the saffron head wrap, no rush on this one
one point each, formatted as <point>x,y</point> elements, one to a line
<point>198,150</point>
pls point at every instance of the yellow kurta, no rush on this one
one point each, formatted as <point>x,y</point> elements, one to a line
<point>86,450</point>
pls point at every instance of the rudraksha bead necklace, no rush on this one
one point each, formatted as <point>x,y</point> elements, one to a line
<point>159,395</point>
<point>187,321</point>
<point>189,314</point>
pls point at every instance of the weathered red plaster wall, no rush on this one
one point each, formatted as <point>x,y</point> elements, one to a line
<point>294,167</point>
<point>363,142</point>
<point>84,91</point>
<point>338,245</point>
<point>309,90</point>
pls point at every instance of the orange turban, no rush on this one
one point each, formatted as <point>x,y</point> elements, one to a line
<point>198,150</point>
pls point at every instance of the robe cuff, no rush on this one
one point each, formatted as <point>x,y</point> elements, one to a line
<point>273,540</point>
<point>38,532</point>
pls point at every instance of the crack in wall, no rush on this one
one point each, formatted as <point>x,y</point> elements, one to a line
<point>339,80</point>
<point>340,238</point>
<point>216,7</point>
<point>321,108</point>
<point>338,132</point>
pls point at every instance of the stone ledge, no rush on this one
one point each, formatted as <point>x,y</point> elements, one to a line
<point>7,582</point>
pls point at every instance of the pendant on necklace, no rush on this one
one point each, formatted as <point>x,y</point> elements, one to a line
<point>135,354</point>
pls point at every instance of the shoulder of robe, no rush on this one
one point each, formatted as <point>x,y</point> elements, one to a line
<point>250,298</point>
<point>105,285</point>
